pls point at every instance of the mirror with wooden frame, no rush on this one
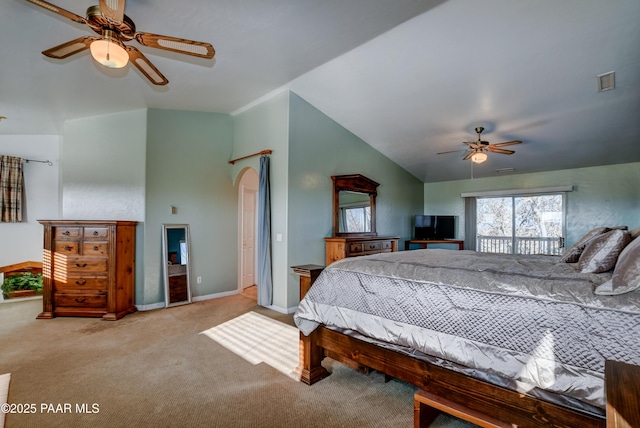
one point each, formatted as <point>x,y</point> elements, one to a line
<point>354,205</point>
<point>176,266</point>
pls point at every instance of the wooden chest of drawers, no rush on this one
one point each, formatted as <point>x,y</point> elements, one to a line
<point>342,247</point>
<point>88,268</point>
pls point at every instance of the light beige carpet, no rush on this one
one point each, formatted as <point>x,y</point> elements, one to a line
<point>161,368</point>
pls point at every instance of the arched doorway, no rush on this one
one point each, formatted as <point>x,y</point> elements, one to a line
<point>247,232</point>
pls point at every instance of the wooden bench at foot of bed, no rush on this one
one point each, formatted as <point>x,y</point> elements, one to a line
<point>475,396</point>
<point>427,407</point>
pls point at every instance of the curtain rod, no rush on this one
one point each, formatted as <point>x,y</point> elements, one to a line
<point>48,162</point>
<point>264,152</point>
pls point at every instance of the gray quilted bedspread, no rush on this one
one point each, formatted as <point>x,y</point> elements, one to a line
<point>529,319</point>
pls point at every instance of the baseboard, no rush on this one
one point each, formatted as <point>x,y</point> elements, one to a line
<point>161,305</point>
<point>287,311</point>
<point>150,307</point>
<point>214,296</point>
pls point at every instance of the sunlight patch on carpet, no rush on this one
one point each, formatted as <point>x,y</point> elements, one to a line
<point>260,339</point>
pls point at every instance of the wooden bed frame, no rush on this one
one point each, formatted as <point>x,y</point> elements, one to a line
<point>477,396</point>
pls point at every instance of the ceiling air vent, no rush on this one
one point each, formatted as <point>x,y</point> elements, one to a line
<point>606,81</point>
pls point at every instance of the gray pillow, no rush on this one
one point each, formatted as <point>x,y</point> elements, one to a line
<point>626,276</point>
<point>572,254</point>
<point>601,253</point>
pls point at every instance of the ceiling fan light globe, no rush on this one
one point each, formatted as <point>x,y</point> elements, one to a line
<point>479,157</point>
<point>109,54</point>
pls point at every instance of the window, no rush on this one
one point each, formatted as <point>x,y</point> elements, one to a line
<point>520,224</point>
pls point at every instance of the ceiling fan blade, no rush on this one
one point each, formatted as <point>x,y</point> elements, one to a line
<point>58,10</point>
<point>468,156</point>
<point>174,44</point>
<point>451,151</point>
<point>146,67</point>
<point>494,149</point>
<point>72,47</point>
<point>507,143</point>
<point>113,10</point>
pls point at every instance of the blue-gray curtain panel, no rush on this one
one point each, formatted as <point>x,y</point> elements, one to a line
<point>11,189</point>
<point>470,223</point>
<point>265,285</point>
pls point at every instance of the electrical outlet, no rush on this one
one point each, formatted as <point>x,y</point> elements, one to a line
<point>199,280</point>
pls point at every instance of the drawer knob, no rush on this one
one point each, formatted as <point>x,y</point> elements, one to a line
<point>67,248</point>
<point>66,233</point>
<point>81,282</point>
<point>80,299</point>
<point>95,233</point>
<point>81,265</point>
<point>95,248</point>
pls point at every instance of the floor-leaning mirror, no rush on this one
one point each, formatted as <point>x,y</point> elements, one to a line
<point>175,257</point>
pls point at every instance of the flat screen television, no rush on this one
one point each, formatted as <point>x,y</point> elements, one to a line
<point>435,227</point>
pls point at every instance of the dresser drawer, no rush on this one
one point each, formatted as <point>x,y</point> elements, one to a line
<point>95,248</point>
<point>67,247</point>
<point>96,233</point>
<point>355,247</point>
<point>81,266</point>
<point>80,300</point>
<point>79,283</point>
<point>386,245</point>
<point>66,233</point>
<point>372,246</point>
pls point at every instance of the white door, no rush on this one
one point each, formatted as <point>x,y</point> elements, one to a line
<point>249,199</point>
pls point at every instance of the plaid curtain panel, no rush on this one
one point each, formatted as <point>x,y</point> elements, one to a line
<point>11,189</point>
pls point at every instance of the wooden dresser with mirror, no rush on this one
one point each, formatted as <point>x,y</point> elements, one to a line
<point>354,220</point>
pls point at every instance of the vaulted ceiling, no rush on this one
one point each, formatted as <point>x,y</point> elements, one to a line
<point>412,78</point>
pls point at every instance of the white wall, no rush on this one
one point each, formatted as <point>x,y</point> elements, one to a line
<point>103,169</point>
<point>20,242</point>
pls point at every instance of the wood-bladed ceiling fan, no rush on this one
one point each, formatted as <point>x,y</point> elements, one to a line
<point>476,150</point>
<point>114,28</point>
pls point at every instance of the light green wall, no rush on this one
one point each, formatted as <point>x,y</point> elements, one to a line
<point>135,165</point>
<point>319,148</point>
<point>308,148</point>
<point>187,167</point>
<point>601,196</point>
<point>265,127</point>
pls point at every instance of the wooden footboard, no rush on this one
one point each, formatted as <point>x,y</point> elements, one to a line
<point>499,403</point>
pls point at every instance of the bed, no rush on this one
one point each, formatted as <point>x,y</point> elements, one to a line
<point>523,338</point>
